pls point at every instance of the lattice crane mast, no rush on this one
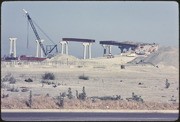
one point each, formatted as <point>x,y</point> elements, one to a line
<point>37,36</point>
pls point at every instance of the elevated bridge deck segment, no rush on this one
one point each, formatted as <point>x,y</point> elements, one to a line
<point>78,40</point>
<point>116,43</point>
<point>86,43</point>
<point>121,45</point>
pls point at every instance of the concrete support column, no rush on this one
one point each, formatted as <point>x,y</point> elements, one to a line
<point>121,50</point>
<point>105,49</point>
<point>90,50</point>
<point>41,51</point>
<point>109,49</point>
<point>37,48</point>
<point>13,46</point>
<point>62,47</point>
<point>66,48</point>
<point>125,50</point>
<point>85,48</point>
<point>10,51</point>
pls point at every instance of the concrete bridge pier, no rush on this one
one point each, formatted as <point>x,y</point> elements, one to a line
<point>64,47</point>
<point>124,49</point>
<point>109,46</point>
<point>87,52</point>
<point>39,49</point>
<point>106,47</point>
<point>90,50</point>
<point>12,46</point>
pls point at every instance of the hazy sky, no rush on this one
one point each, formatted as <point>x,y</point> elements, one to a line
<point>107,20</point>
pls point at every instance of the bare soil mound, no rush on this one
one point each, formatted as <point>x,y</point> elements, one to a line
<point>164,56</point>
<point>167,56</point>
<point>63,57</point>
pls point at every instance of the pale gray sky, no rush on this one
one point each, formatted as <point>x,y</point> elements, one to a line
<point>100,20</point>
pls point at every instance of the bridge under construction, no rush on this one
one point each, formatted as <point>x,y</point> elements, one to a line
<point>42,53</point>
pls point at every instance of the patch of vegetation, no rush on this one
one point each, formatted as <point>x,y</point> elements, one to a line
<point>3,85</point>
<point>84,77</point>
<point>135,98</point>
<point>12,89</point>
<point>79,66</point>
<point>167,84</point>
<point>43,81</point>
<point>6,77</point>
<point>60,100</point>
<point>173,99</point>
<point>9,78</point>
<point>117,97</point>
<point>48,83</point>
<point>12,80</point>
<point>24,90</point>
<point>140,83</point>
<point>28,80</point>
<point>47,95</point>
<point>29,102</point>
<point>81,96</point>
<point>122,66</point>
<point>48,76</point>
<point>69,95</point>
<point>4,95</point>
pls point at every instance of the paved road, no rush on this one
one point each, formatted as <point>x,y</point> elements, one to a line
<point>95,116</point>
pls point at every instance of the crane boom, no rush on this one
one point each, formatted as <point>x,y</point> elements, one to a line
<point>35,32</point>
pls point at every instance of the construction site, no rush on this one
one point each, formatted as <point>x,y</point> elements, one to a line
<point>141,76</point>
<point>48,51</point>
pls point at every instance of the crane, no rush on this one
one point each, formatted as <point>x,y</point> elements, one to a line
<point>37,36</point>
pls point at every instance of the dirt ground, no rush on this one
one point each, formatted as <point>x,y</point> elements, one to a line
<point>104,80</point>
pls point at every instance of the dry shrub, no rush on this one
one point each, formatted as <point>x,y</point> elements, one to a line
<point>162,106</point>
<point>3,85</point>
<point>43,102</point>
<point>28,80</point>
<point>48,76</point>
<point>13,103</point>
<point>118,105</point>
<point>38,102</point>
<point>84,77</point>
<point>12,89</point>
<point>9,78</point>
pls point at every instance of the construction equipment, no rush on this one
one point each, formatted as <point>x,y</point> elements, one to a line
<point>46,52</point>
